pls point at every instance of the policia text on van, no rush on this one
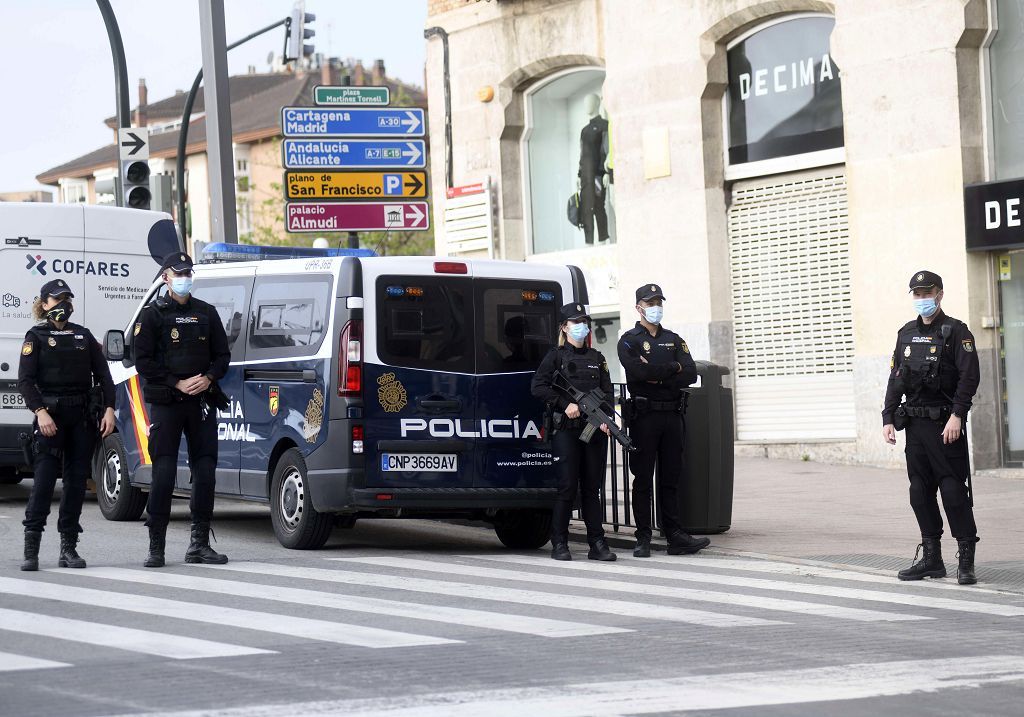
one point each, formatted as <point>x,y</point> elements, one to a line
<point>364,386</point>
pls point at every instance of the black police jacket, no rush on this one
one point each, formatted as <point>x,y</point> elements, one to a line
<point>931,369</point>
<point>657,367</point>
<point>62,362</point>
<point>173,341</point>
<point>585,368</point>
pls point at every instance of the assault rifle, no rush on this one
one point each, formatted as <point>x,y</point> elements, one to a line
<point>590,403</point>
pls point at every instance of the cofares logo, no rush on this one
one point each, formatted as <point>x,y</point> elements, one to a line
<point>36,264</point>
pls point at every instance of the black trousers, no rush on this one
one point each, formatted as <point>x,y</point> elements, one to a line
<point>933,467</point>
<point>168,423</point>
<point>73,445</point>
<point>658,436</point>
<point>580,466</point>
<point>592,199</point>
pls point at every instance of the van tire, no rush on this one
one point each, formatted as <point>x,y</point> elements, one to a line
<point>297,524</point>
<point>523,529</point>
<point>9,476</point>
<point>117,497</point>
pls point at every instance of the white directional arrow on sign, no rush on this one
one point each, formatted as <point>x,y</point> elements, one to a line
<point>417,214</point>
<point>413,122</point>
<point>413,152</point>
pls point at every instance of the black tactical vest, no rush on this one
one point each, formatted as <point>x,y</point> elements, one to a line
<point>65,364</point>
<point>584,370</point>
<point>184,341</point>
<point>927,370</point>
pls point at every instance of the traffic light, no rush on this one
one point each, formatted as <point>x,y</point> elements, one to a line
<point>298,32</point>
<point>135,183</point>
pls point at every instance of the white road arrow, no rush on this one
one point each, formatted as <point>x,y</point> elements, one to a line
<point>413,152</point>
<point>416,213</point>
<point>413,122</point>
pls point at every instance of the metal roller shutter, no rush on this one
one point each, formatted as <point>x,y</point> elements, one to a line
<point>789,253</point>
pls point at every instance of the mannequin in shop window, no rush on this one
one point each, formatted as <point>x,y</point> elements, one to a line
<point>592,180</point>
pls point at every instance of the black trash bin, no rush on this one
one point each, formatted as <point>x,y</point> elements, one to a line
<point>705,493</point>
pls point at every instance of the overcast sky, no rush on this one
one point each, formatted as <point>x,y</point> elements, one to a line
<point>58,82</point>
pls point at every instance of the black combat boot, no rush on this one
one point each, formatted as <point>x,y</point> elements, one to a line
<point>930,565</point>
<point>69,557</point>
<point>32,538</point>
<point>199,551</point>
<point>560,549</point>
<point>965,569</point>
<point>680,543</point>
<point>599,551</point>
<point>643,548</point>
<point>157,543</point>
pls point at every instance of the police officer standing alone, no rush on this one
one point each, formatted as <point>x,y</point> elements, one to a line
<point>936,367</point>
<point>658,367</point>
<point>579,465</point>
<point>59,363</point>
<point>181,350</point>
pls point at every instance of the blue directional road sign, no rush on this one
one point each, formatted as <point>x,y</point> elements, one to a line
<point>362,122</point>
<point>354,154</point>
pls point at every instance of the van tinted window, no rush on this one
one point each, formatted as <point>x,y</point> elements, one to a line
<point>517,323</point>
<point>425,322</point>
<point>289,316</point>
<point>230,297</point>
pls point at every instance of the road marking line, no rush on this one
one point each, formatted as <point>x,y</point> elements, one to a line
<point>696,693</point>
<point>340,633</point>
<point>450,615</point>
<point>759,602</point>
<point>10,662</point>
<point>917,599</point>
<point>498,594</point>
<point>160,644</point>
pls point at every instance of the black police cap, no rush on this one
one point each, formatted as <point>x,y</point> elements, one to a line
<point>573,312</point>
<point>925,280</point>
<point>177,261</point>
<point>55,287</point>
<point>648,292</point>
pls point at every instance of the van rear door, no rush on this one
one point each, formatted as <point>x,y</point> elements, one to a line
<point>419,383</point>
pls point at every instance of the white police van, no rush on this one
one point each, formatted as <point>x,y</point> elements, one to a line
<point>365,386</point>
<point>108,257</point>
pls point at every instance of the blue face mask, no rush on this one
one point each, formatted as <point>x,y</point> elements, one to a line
<point>181,285</point>
<point>653,314</point>
<point>925,307</point>
<point>578,332</point>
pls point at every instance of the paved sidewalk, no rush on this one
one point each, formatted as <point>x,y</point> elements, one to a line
<point>860,516</point>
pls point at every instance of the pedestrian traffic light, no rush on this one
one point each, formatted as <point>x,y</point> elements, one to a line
<point>298,32</point>
<point>135,183</point>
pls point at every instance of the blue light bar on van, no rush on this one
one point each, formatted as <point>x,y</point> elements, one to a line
<point>395,291</point>
<point>222,251</point>
<point>545,296</point>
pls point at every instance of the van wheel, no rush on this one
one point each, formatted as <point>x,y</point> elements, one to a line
<point>523,529</point>
<point>9,476</point>
<point>297,524</point>
<point>117,497</point>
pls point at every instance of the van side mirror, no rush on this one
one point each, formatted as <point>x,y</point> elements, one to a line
<point>113,345</point>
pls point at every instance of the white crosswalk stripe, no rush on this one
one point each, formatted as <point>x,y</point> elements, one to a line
<point>9,662</point>
<point>630,588</point>
<point>160,644</point>
<point>917,599</point>
<point>523,624</point>
<point>499,594</point>
<point>337,632</point>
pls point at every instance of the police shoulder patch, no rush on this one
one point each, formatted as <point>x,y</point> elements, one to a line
<point>27,348</point>
<point>138,328</point>
<point>968,345</point>
<point>686,349</point>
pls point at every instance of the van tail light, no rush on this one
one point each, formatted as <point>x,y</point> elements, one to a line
<point>350,359</point>
<point>450,267</point>
<point>357,439</point>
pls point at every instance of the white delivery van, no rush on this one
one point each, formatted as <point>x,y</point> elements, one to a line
<point>107,255</point>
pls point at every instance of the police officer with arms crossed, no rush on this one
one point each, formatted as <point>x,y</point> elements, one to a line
<point>579,465</point>
<point>658,367</point>
<point>936,367</point>
<point>59,363</point>
<point>181,350</point>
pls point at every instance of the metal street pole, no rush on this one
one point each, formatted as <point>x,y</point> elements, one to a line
<point>219,151</point>
<point>124,108</point>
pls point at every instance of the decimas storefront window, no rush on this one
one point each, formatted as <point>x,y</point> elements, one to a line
<point>569,163</point>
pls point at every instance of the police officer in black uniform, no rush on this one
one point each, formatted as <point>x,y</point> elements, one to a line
<point>181,350</point>
<point>658,367</point>
<point>59,363</point>
<point>935,366</point>
<point>579,465</point>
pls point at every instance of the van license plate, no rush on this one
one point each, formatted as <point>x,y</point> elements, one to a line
<point>429,462</point>
<point>11,400</point>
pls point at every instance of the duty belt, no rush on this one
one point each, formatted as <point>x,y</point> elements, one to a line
<point>72,401</point>
<point>935,413</point>
<point>645,404</point>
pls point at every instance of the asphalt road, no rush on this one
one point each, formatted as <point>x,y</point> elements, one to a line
<point>426,618</point>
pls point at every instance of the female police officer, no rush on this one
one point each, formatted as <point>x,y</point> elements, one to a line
<point>578,464</point>
<point>59,361</point>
